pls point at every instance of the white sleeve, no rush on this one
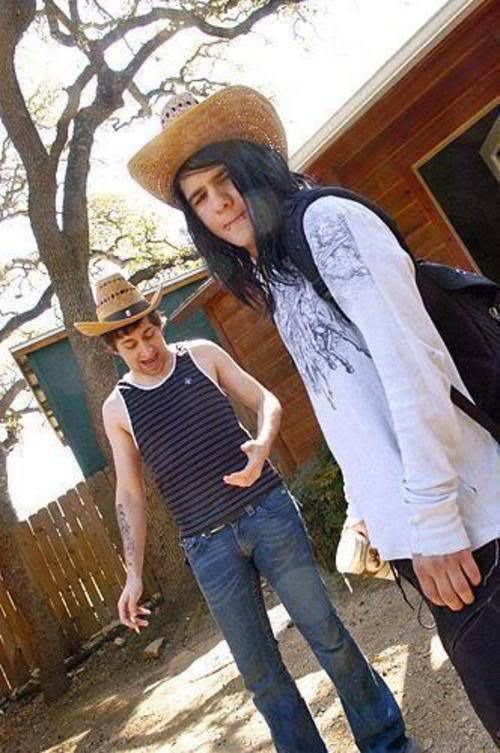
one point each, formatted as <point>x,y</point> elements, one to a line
<point>372,279</point>
<point>352,515</point>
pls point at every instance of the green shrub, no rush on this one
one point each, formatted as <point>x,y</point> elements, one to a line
<point>319,488</point>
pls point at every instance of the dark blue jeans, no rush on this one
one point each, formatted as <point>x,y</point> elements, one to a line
<point>471,637</point>
<point>270,541</point>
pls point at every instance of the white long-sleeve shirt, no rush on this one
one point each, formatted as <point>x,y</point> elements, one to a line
<point>422,474</point>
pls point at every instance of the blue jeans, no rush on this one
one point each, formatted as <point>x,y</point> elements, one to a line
<point>270,541</point>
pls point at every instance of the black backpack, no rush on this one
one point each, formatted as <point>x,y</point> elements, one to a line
<point>465,307</point>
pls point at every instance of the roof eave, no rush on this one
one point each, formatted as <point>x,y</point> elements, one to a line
<point>406,58</point>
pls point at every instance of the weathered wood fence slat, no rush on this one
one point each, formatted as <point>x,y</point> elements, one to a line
<point>73,552</point>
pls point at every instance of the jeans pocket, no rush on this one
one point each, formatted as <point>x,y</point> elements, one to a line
<point>278,502</point>
<point>191,544</point>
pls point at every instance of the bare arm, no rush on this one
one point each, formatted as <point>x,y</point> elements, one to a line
<point>243,388</point>
<point>130,510</point>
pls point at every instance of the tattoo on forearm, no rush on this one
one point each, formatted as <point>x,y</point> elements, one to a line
<point>128,541</point>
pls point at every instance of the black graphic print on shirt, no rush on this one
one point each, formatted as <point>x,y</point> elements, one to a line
<point>319,339</point>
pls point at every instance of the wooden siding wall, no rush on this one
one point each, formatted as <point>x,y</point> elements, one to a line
<point>254,343</point>
<point>445,91</point>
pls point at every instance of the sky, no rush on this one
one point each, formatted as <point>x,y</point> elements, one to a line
<point>307,79</point>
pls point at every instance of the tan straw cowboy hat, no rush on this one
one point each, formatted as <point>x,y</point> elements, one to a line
<point>118,304</point>
<point>236,112</point>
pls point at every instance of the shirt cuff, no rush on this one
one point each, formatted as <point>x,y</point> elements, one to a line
<point>437,529</point>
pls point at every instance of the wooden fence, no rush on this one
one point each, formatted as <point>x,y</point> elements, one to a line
<point>73,552</point>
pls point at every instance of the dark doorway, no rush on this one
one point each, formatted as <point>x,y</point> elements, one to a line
<point>464,178</point>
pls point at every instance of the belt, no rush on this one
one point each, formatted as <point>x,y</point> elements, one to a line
<point>247,510</point>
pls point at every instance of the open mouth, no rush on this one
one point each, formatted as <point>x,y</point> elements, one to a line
<point>151,363</point>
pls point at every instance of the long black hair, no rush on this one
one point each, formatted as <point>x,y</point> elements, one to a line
<point>262,177</point>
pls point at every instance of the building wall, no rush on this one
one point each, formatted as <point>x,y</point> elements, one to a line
<point>439,98</point>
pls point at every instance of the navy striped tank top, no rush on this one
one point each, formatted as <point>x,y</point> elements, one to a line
<point>189,435</point>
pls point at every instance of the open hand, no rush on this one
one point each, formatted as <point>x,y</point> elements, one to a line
<point>446,579</point>
<point>129,612</point>
<point>257,455</point>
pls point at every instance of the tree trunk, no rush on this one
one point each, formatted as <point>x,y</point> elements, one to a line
<point>49,644</point>
<point>163,552</point>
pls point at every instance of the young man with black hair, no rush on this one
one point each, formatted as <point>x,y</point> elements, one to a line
<point>420,474</point>
<point>236,520</point>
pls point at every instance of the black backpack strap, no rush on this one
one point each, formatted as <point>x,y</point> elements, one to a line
<point>299,253</point>
<point>296,243</point>
<point>452,278</point>
<point>294,209</point>
<point>474,412</point>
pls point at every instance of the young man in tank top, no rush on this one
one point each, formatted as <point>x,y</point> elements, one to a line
<point>236,520</point>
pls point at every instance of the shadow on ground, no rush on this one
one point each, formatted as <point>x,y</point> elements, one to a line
<point>193,700</point>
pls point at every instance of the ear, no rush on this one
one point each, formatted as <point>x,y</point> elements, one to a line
<point>111,350</point>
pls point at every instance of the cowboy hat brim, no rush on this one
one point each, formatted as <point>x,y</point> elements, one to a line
<point>236,112</point>
<point>95,329</point>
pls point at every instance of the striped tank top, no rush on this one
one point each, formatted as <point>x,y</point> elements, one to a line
<point>189,436</point>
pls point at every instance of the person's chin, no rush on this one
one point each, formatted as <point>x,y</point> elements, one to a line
<point>240,240</point>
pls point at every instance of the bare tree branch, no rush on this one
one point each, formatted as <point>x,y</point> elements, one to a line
<point>74,13</point>
<point>43,304</point>
<point>13,109</point>
<point>74,93</point>
<point>141,99</point>
<point>55,17</point>
<point>23,263</point>
<point>181,19</point>
<point>19,124</point>
<point>103,10</point>
<point>147,273</point>
<point>185,19</point>
<point>105,256</point>
<point>12,191</point>
<point>10,395</point>
<point>28,410</point>
<point>268,8</point>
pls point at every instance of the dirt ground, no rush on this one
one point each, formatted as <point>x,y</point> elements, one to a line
<point>191,698</point>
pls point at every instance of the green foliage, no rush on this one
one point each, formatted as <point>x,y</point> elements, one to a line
<point>116,228</point>
<point>134,240</point>
<point>12,425</point>
<point>44,105</point>
<point>319,488</point>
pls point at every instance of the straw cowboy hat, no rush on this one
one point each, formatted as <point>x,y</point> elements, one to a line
<point>118,304</point>
<point>236,112</point>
